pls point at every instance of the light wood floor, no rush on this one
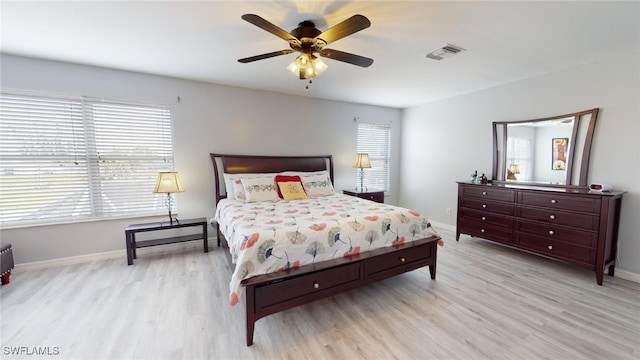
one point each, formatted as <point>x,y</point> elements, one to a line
<point>488,302</point>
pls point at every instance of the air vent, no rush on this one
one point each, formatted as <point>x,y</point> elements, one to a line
<point>444,52</point>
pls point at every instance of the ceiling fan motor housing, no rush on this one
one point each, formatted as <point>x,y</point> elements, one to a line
<point>305,32</point>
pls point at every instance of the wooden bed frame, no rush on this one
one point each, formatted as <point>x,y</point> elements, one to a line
<point>271,293</point>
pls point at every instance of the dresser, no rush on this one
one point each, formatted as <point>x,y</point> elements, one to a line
<point>568,224</point>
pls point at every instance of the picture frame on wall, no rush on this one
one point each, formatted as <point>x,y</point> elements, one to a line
<point>559,153</point>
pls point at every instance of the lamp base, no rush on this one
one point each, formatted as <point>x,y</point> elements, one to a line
<point>171,221</point>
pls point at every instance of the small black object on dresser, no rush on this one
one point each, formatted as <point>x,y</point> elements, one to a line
<point>565,223</point>
<point>373,195</point>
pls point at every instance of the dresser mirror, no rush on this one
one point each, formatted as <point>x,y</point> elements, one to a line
<point>551,151</point>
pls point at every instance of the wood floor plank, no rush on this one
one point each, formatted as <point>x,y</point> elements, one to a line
<point>488,302</point>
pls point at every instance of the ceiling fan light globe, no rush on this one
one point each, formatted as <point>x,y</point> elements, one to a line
<point>319,66</point>
<point>293,67</point>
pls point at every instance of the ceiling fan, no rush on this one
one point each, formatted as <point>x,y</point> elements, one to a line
<point>310,41</point>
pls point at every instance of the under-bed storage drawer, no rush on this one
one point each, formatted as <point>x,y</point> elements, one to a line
<point>411,256</point>
<point>290,289</point>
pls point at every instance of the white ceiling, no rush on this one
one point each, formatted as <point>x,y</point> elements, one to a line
<point>505,42</point>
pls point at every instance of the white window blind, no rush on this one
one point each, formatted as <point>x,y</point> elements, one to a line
<point>373,139</point>
<point>65,159</point>
<point>520,150</point>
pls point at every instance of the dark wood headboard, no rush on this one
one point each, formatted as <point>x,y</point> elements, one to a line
<point>235,164</point>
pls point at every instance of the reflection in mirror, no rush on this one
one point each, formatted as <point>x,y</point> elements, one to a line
<point>538,151</point>
<point>549,151</point>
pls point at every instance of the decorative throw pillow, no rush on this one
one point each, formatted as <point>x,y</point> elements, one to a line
<point>233,187</point>
<point>286,178</point>
<point>260,189</point>
<point>317,185</point>
<point>292,190</point>
<point>238,190</point>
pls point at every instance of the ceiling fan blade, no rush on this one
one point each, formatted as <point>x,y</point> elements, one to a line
<point>267,26</point>
<point>265,56</point>
<point>346,57</point>
<point>350,26</point>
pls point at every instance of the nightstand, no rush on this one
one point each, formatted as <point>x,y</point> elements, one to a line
<point>373,195</point>
<point>132,230</point>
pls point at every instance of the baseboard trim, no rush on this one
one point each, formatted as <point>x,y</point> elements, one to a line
<point>436,225</point>
<point>106,255</point>
<point>627,275</point>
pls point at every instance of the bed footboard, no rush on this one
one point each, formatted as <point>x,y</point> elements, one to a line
<point>272,293</point>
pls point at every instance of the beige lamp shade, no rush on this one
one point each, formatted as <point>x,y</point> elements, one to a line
<point>514,168</point>
<point>362,161</point>
<point>168,182</point>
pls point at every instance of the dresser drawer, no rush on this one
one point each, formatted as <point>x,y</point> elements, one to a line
<point>407,256</point>
<point>301,286</point>
<point>556,249</point>
<point>486,218</point>
<point>485,231</point>
<point>558,233</point>
<point>560,201</point>
<point>489,206</point>
<point>487,192</point>
<point>556,217</point>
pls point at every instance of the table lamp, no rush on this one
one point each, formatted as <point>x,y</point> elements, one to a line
<point>362,162</point>
<point>168,183</point>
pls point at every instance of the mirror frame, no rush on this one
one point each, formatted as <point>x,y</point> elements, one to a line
<point>580,121</point>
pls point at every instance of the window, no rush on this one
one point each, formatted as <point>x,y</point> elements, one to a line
<point>520,150</point>
<point>373,139</point>
<point>65,159</point>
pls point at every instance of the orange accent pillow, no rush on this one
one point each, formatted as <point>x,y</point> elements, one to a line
<point>286,178</point>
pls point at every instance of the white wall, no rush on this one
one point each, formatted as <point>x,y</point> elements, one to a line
<point>445,141</point>
<point>208,118</point>
<point>544,153</point>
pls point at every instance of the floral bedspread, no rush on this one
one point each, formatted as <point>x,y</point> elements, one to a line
<point>266,237</point>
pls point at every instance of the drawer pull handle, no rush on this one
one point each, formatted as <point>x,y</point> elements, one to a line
<point>553,201</point>
<point>484,205</point>
<point>484,218</point>
<point>550,247</point>
<point>481,230</point>
<point>402,259</point>
<point>551,232</point>
<point>316,285</point>
<point>484,193</point>
<point>552,217</point>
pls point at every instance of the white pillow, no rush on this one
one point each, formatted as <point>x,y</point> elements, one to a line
<point>260,189</point>
<point>306,173</point>
<point>229,181</point>
<point>317,185</point>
